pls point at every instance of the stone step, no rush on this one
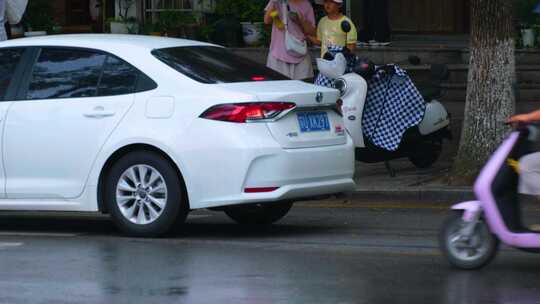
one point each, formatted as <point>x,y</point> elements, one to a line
<point>528,68</point>
<point>457,108</point>
<point>441,54</point>
<point>396,54</point>
<point>458,91</point>
<point>400,55</point>
<point>459,73</point>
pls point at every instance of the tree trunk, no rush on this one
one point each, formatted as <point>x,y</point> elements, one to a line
<point>491,84</point>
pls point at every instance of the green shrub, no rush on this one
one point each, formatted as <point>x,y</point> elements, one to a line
<point>525,12</point>
<point>38,15</point>
<point>245,10</point>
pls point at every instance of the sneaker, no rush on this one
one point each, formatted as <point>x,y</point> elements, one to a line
<point>377,43</point>
<point>535,227</point>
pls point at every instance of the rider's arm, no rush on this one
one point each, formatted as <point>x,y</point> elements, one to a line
<point>532,116</point>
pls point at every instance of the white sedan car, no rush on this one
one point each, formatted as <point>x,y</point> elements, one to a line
<point>149,128</point>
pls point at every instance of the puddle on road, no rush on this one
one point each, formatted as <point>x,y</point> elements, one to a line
<point>6,245</point>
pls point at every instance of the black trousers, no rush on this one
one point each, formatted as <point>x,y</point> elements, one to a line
<point>375,21</point>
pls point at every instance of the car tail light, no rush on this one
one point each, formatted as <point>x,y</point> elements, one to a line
<point>245,112</point>
<point>260,190</point>
<point>258,78</point>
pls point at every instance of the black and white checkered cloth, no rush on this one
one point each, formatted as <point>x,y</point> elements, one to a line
<point>324,81</point>
<point>393,105</point>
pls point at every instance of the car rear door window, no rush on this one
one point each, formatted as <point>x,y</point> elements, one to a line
<point>9,60</point>
<point>118,78</point>
<point>66,73</point>
<point>211,64</point>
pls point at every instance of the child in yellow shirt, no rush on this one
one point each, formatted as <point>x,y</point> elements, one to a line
<point>329,31</point>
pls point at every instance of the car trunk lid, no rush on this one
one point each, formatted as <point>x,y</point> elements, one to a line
<point>313,123</point>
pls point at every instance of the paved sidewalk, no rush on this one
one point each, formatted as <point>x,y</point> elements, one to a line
<point>374,182</point>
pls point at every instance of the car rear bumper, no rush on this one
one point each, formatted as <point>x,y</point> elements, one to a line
<point>301,167</point>
<point>233,158</point>
<point>287,192</point>
<point>297,174</point>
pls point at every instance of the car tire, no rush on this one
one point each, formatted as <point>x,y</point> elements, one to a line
<point>426,154</point>
<point>259,214</point>
<point>144,194</point>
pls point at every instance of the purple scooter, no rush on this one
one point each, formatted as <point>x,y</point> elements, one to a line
<point>470,238</point>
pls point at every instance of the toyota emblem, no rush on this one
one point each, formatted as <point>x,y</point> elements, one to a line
<point>319,97</point>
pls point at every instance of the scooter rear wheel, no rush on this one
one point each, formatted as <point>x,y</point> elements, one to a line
<point>467,253</point>
<point>426,154</point>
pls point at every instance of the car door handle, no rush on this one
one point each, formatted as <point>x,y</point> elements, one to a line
<point>99,112</point>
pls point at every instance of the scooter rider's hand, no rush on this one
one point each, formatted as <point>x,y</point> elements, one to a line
<point>524,118</point>
<point>521,118</point>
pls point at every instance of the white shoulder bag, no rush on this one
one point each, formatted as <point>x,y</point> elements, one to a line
<point>15,10</point>
<point>294,46</point>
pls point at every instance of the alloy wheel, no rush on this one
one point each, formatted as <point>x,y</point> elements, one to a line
<point>141,194</point>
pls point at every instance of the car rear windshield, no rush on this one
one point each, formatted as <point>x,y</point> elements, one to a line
<point>211,64</point>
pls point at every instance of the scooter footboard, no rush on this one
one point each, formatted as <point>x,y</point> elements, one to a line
<point>470,209</point>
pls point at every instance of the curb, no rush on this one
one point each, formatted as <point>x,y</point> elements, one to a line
<point>415,194</point>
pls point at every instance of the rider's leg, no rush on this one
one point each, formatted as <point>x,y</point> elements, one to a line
<point>529,174</point>
<point>529,178</point>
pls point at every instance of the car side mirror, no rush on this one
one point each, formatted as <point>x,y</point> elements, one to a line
<point>346,26</point>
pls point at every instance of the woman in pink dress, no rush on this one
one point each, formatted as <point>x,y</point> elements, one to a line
<point>3,34</point>
<point>301,23</point>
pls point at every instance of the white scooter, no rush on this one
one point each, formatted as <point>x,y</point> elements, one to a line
<point>421,144</point>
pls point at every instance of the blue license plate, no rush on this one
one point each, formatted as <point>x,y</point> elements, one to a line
<point>313,121</point>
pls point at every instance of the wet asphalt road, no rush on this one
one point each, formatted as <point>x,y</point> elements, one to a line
<point>322,252</point>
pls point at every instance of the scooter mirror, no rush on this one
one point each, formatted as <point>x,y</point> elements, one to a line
<point>346,26</point>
